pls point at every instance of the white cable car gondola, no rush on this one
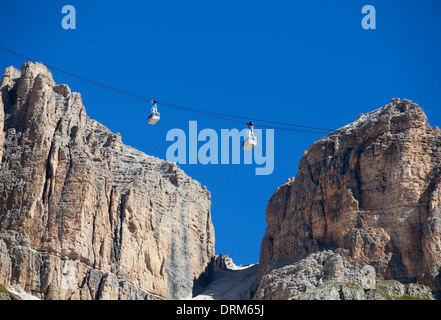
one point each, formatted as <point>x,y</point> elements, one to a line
<point>250,140</point>
<point>154,115</point>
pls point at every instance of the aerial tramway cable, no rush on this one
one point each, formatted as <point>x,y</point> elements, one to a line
<point>155,118</point>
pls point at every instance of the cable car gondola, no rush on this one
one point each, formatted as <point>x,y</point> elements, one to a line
<point>154,115</point>
<point>250,140</point>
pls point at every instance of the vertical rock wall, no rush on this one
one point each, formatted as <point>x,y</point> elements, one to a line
<point>373,187</point>
<point>82,216</point>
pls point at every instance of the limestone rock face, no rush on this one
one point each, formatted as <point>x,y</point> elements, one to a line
<point>384,290</point>
<point>372,187</point>
<point>83,216</point>
<point>328,275</point>
<point>290,279</point>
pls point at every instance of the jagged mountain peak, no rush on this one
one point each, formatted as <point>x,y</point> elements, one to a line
<point>83,216</point>
<point>370,187</point>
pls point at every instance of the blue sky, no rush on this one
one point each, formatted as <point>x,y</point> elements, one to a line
<point>303,62</point>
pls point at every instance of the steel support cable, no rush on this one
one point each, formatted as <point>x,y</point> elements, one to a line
<point>223,116</point>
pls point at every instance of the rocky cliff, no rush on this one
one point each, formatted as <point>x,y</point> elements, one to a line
<point>83,216</point>
<point>371,189</point>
